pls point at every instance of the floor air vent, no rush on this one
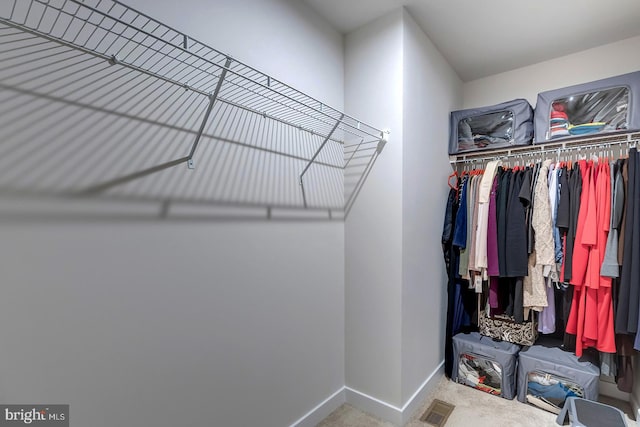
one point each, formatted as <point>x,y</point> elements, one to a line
<point>438,413</point>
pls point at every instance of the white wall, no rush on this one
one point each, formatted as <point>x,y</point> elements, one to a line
<point>592,64</point>
<point>156,325</point>
<point>283,38</point>
<point>431,89</point>
<point>183,324</point>
<point>373,229</point>
<point>395,276</point>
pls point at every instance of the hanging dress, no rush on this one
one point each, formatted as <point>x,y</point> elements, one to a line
<point>576,322</point>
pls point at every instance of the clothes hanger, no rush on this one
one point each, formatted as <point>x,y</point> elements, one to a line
<point>454,175</point>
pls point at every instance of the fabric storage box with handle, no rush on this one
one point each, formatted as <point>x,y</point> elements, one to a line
<point>548,376</point>
<point>488,128</point>
<point>506,329</point>
<point>601,106</point>
<point>485,364</point>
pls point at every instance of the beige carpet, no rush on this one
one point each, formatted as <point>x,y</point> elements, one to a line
<point>472,408</point>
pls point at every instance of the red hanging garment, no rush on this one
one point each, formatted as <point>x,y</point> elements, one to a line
<point>591,315</point>
<point>606,341</point>
<point>582,296</point>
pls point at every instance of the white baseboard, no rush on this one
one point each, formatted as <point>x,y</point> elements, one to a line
<point>322,411</point>
<point>366,403</point>
<point>413,404</point>
<point>373,406</point>
<point>391,413</point>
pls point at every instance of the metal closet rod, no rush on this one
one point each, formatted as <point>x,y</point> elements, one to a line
<point>223,68</point>
<point>631,140</point>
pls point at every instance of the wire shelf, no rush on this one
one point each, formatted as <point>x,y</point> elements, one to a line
<point>100,99</point>
<point>608,143</point>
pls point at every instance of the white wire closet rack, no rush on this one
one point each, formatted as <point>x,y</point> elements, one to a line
<point>612,145</point>
<point>98,99</point>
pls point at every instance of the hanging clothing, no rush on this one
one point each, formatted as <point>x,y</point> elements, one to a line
<point>542,259</point>
<point>484,196</point>
<point>547,319</point>
<point>605,338</point>
<point>461,302</point>
<point>460,224</point>
<point>625,371</point>
<point>553,182</point>
<point>472,220</point>
<point>529,177</point>
<point>625,184</point>
<point>577,314</point>
<point>554,238</point>
<point>552,314</point>
<point>492,231</point>
<point>633,227</point>
<point>610,266</point>
<point>586,227</point>
<point>624,316</point>
<point>571,199</point>
<point>542,223</point>
<point>591,317</point>
<point>460,229</point>
<point>534,288</point>
<point>517,264</point>
<point>450,253</point>
<point>503,190</point>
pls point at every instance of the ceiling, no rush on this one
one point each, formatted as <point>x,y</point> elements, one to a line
<point>484,37</point>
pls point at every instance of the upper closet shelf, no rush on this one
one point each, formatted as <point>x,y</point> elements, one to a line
<point>103,56</point>
<point>612,143</point>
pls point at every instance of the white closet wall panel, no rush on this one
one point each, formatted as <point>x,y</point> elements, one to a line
<point>185,322</point>
<point>435,90</point>
<point>373,229</point>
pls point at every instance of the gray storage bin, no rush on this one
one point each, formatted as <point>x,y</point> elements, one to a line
<point>485,364</point>
<point>548,376</point>
<point>487,128</point>
<point>602,106</point>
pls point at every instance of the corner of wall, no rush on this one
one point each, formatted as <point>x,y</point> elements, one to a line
<point>399,416</point>
<point>322,410</point>
<point>373,237</point>
<point>433,89</point>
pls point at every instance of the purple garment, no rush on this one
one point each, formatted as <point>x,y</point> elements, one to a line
<point>547,319</point>
<point>493,294</point>
<point>492,233</point>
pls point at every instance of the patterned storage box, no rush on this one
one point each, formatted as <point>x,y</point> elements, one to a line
<point>504,328</point>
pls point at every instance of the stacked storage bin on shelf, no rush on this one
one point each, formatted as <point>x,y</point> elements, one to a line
<point>598,107</point>
<point>486,128</point>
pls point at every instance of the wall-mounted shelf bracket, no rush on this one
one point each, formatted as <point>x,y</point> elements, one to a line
<point>212,101</point>
<point>384,138</point>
